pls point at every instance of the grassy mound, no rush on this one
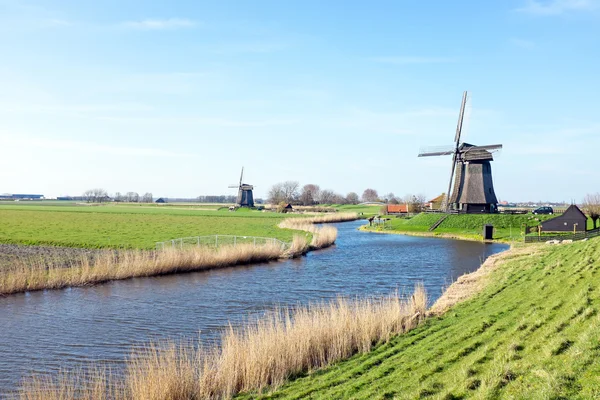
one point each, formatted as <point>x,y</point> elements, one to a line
<point>500,221</point>
<point>530,334</point>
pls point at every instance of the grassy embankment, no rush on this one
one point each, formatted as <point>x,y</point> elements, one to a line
<point>527,329</point>
<point>531,333</point>
<point>466,226</point>
<point>37,274</point>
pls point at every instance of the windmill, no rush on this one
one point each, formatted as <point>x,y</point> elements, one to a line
<point>245,198</point>
<point>470,189</point>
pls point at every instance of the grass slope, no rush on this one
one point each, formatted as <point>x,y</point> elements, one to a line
<point>530,334</point>
<point>127,227</point>
<point>506,227</point>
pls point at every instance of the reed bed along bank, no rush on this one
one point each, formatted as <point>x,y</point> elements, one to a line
<point>260,356</point>
<point>45,274</point>
<point>322,236</point>
<point>39,274</point>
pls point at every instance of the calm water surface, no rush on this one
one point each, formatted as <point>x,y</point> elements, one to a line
<point>42,332</point>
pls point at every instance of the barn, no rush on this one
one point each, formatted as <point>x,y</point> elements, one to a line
<point>573,219</point>
<point>397,208</point>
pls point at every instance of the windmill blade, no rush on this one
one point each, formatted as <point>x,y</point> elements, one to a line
<point>461,117</point>
<point>233,186</point>
<point>241,176</point>
<point>436,151</point>
<point>487,147</point>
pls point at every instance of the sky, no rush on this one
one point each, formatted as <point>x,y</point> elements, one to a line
<point>174,97</point>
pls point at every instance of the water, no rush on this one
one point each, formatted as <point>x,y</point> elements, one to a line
<point>42,332</point>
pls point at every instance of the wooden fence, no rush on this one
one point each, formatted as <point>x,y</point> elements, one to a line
<point>572,236</point>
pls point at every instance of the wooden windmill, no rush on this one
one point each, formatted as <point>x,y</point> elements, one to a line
<point>470,189</point>
<point>245,198</point>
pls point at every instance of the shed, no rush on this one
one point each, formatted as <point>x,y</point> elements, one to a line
<point>397,208</point>
<point>288,207</point>
<point>160,200</point>
<point>573,219</point>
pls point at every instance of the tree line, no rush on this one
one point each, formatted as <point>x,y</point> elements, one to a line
<point>312,194</point>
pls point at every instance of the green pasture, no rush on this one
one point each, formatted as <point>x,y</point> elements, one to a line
<point>128,226</point>
<point>367,211</point>
<point>532,333</point>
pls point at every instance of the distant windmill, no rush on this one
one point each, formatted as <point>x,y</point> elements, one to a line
<point>473,188</point>
<point>245,197</point>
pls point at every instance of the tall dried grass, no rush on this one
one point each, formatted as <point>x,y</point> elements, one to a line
<point>323,236</point>
<point>264,354</point>
<point>28,276</point>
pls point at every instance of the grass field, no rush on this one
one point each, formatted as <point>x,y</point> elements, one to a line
<point>532,333</point>
<point>120,226</point>
<point>506,227</point>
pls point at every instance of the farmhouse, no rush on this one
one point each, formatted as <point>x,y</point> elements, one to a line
<point>160,200</point>
<point>573,219</point>
<point>436,203</point>
<point>397,208</point>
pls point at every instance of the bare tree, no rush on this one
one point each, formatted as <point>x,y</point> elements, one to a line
<point>591,205</point>
<point>309,194</point>
<point>326,196</point>
<point>95,195</point>
<point>390,198</point>
<point>339,199</point>
<point>118,196</point>
<point>132,197</point>
<point>147,197</point>
<point>416,203</point>
<point>290,190</point>
<point>276,194</point>
<point>370,195</point>
<point>352,198</point>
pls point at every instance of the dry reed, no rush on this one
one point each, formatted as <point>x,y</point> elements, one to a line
<point>323,236</point>
<point>27,276</point>
<point>262,355</point>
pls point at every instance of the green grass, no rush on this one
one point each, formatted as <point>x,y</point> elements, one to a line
<point>531,334</point>
<point>506,227</point>
<point>127,226</point>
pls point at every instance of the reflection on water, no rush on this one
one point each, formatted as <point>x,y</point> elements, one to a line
<point>42,332</point>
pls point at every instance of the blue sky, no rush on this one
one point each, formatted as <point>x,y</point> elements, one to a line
<point>174,97</point>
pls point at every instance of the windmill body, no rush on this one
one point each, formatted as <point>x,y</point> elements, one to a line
<point>245,197</point>
<point>471,188</point>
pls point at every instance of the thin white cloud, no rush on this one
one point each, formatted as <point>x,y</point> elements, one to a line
<point>87,147</point>
<point>557,7</point>
<point>160,24</point>
<point>405,60</point>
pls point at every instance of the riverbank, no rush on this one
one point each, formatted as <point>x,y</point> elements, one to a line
<point>456,236</point>
<point>522,326</point>
<point>88,268</point>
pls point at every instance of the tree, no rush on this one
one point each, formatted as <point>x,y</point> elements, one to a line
<point>352,198</point>
<point>390,198</point>
<point>147,197</point>
<point>339,199</point>
<point>416,203</point>
<point>591,205</point>
<point>370,195</point>
<point>118,196</point>
<point>309,194</point>
<point>132,197</point>
<point>290,190</point>
<point>95,195</point>
<point>326,196</point>
<point>276,194</point>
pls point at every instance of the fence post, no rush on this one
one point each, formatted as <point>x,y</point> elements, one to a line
<point>198,238</point>
<point>254,242</point>
<point>216,241</point>
<point>234,241</point>
<point>173,243</point>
